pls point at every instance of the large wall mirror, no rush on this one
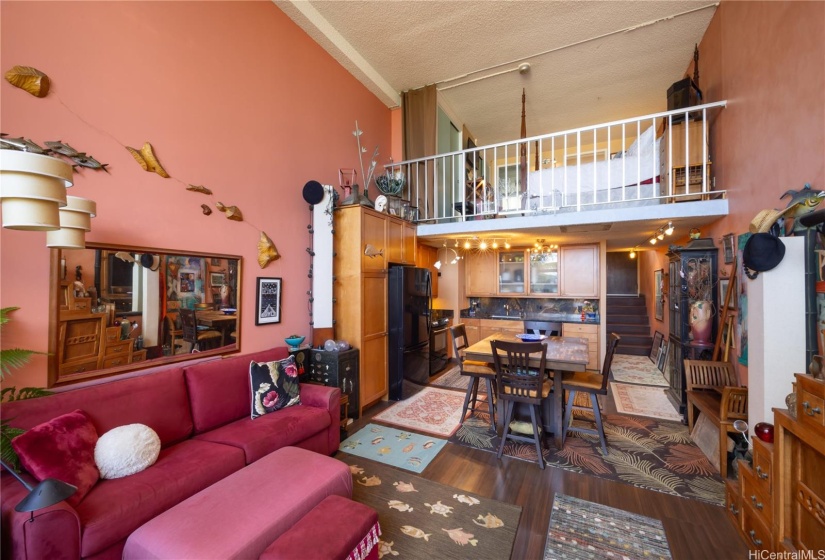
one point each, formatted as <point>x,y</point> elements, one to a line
<point>118,308</point>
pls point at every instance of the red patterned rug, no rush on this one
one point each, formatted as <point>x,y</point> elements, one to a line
<point>431,410</point>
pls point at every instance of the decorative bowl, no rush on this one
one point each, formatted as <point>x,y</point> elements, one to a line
<point>390,184</point>
<point>228,310</point>
<point>529,337</point>
<point>764,431</point>
<point>294,341</point>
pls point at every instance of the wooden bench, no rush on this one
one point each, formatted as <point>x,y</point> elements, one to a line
<point>713,389</point>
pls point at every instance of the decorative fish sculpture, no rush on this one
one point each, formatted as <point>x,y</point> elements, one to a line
<point>440,509</point>
<point>460,537</point>
<point>385,548</point>
<point>59,147</point>
<point>355,469</point>
<point>399,505</point>
<point>29,79</point>
<point>266,251</point>
<point>378,440</point>
<point>464,499</point>
<point>489,521</point>
<point>370,481</point>
<point>404,487</point>
<point>415,533</point>
<point>198,189</point>
<point>408,448</point>
<point>803,202</point>
<point>84,160</point>
<point>147,160</point>
<point>371,251</point>
<point>385,451</point>
<point>15,144</point>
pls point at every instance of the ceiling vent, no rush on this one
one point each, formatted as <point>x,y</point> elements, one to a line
<point>585,228</point>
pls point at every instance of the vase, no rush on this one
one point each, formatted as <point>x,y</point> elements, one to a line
<point>700,321</point>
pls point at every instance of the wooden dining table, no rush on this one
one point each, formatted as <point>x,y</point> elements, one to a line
<point>218,320</point>
<point>564,353</point>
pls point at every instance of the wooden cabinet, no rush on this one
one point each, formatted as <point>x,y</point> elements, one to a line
<point>480,274</point>
<point>360,292</point>
<point>80,340</point>
<point>733,502</point>
<point>511,272</point>
<point>400,241</point>
<point>472,329</point>
<point>591,333</point>
<point>579,269</point>
<point>425,257</point>
<point>757,503</point>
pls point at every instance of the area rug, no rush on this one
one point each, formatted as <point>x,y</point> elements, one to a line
<point>582,530</point>
<point>636,369</point>
<point>424,520</point>
<point>644,401</point>
<point>405,450</point>
<point>645,452</point>
<point>431,410</point>
<point>453,379</point>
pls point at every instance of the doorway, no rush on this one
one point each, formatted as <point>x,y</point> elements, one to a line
<point>622,275</point>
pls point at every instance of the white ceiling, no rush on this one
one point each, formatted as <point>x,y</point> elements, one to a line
<point>591,61</point>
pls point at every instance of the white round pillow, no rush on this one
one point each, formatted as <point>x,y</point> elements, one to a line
<point>126,450</point>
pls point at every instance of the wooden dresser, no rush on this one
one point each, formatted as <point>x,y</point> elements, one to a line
<point>779,500</point>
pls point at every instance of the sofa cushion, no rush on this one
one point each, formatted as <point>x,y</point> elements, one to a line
<point>219,389</point>
<point>62,448</point>
<point>274,385</point>
<point>115,508</point>
<point>158,400</point>
<point>126,450</point>
<point>264,435</point>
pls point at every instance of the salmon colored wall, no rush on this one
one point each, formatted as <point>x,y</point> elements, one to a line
<point>768,60</point>
<point>232,95</point>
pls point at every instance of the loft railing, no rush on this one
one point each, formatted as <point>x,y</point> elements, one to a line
<point>652,159</point>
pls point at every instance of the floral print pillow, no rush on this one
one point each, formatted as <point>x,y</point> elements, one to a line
<point>274,386</point>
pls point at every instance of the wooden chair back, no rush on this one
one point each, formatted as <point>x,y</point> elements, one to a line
<point>189,325</point>
<point>517,380</point>
<point>459,334</point>
<point>612,343</point>
<point>542,327</point>
<point>734,404</point>
<point>702,374</point>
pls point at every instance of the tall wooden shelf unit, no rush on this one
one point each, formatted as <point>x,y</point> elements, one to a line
<point>692,277</point>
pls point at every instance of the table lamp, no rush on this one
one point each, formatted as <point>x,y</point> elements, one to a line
<point>47,493</point>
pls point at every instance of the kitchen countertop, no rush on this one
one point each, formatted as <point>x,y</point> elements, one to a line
<point>556,317</point>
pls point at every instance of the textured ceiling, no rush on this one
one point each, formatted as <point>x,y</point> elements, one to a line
<point>590,61</point>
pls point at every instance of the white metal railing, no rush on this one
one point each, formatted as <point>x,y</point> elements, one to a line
<point>639,161</point>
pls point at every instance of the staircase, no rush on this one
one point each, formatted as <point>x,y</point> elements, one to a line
<point>627,317</point>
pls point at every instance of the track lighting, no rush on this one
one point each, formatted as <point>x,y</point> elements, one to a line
<point>495,244</point>
<point>467,244</point>
<point>669,229</point>
<point>632,254</point>
<point>482,245</point>
<point>506,244</point>
<point>653,240</point>
<point>660,236</point>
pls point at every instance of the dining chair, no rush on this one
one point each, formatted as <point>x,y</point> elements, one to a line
<point>592,384</point>
<point>477,371</point>
<point>195,334</point>
<point>542,327</point>
<point>519,383</point>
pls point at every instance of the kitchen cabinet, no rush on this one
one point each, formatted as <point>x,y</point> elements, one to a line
<point>511,268</point>
<point>425,257</point>
<point>544,273</point>
<point>481,271</point>
<point>579,271</point>
<point>360,294</point>
<point>401,240</point>
<point>472,329</point>
<point>591,333</point>
<point>488,327</point>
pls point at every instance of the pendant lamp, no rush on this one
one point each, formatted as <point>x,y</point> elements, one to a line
<point>32,189</point>
<point>75,221</point>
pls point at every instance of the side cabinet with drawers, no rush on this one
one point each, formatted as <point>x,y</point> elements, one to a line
<point>338,369</point>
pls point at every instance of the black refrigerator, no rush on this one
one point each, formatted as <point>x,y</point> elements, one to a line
<point>408,313</point>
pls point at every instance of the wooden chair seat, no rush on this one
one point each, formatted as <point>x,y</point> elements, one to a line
<point>471,367</point>
<point>546,389</point>
<point>583,380</point>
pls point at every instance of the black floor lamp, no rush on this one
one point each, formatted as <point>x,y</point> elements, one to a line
<point>47,493</point>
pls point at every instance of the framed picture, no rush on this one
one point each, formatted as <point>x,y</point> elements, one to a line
<point>663,352</point>
<point>724,284</point>
<point>658,283</point>
<point>658,338</point>
<point>216,279</point>
<point>186,281</point>
<point>268,301</point>
<point>215,262</point>
<point>728,248</point>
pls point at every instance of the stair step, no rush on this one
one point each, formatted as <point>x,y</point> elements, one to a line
<point>637,340</point>
<point>628,319</point>
<point>629,309</point>
<point>625,300</point>
<point>633,330</point>
<point>632,350</point>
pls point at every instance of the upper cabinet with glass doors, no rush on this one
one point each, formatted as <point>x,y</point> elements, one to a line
<point>544,272</point>
<point>511,268</point>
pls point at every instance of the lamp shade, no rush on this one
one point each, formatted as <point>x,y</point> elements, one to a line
<point>75,221</point>
<point>32,188</point>
<point>49,492</point>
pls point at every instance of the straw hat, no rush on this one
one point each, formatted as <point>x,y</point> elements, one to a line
<point>764,220</point>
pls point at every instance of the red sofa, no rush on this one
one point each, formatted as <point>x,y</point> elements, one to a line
<point>201,413</point>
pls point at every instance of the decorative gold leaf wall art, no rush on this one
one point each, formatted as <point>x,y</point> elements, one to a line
<point>198,189</point>
<point>232,212</point>
<point>29,79</point>
<point>147,160</point>
<point>206,209</point>
<point>266,251</point>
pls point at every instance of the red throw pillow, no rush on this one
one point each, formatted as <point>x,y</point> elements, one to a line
<point>62,448</point>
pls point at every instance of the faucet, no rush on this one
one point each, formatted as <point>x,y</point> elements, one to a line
<point>507,309</point>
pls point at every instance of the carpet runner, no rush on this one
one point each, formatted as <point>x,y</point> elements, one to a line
<point>581,530</point>
<point>645,452</point>
<point>640,400</point>
<point>425,520</point>
<point>405,450</point>
<point>636,369</point>
<point>431,411</point>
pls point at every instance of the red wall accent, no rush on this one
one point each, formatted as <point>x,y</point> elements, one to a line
<point>232,95</point>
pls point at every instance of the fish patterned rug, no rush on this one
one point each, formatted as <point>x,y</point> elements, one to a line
<point>421,519</point>
<point>581,530</point>
<point>645,452</point>
<point>644,401</point>
<point>431,411</point>
<point>636,369</point>
<point>405,450</point>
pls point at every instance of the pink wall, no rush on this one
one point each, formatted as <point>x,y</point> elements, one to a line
<point>232,95</point>
<point>768,60</point>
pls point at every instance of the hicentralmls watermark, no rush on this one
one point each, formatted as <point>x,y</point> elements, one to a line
<point>796,555</point>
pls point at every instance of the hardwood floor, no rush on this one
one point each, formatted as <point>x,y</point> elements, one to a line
<point>695,530</point>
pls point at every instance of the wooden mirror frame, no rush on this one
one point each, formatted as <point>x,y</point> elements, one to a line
<point>58,293</point>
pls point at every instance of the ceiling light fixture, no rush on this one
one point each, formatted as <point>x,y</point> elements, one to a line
<point>467,244</point>
<point>482,245</point>
<point>669,229</point>
<point>633,253</point>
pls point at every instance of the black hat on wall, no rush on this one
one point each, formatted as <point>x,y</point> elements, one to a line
<point>762,252</point>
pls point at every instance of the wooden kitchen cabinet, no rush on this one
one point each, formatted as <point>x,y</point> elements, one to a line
<point>489,327</point>
<point>401,241</point>
<point>481,273</point>
<point>360,294</point>
<point>591,333</point>
<point>425,257</point>
<point>579,268</point>
<point>472,330</point>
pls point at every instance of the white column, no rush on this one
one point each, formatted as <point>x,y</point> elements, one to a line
<point>322,261</point>
<point>776,332</point>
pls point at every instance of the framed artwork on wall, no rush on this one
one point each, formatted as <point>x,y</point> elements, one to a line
<point>728,248</point>
<point>216,279</point>
<point>658,283</point>
<point>268,301</point>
